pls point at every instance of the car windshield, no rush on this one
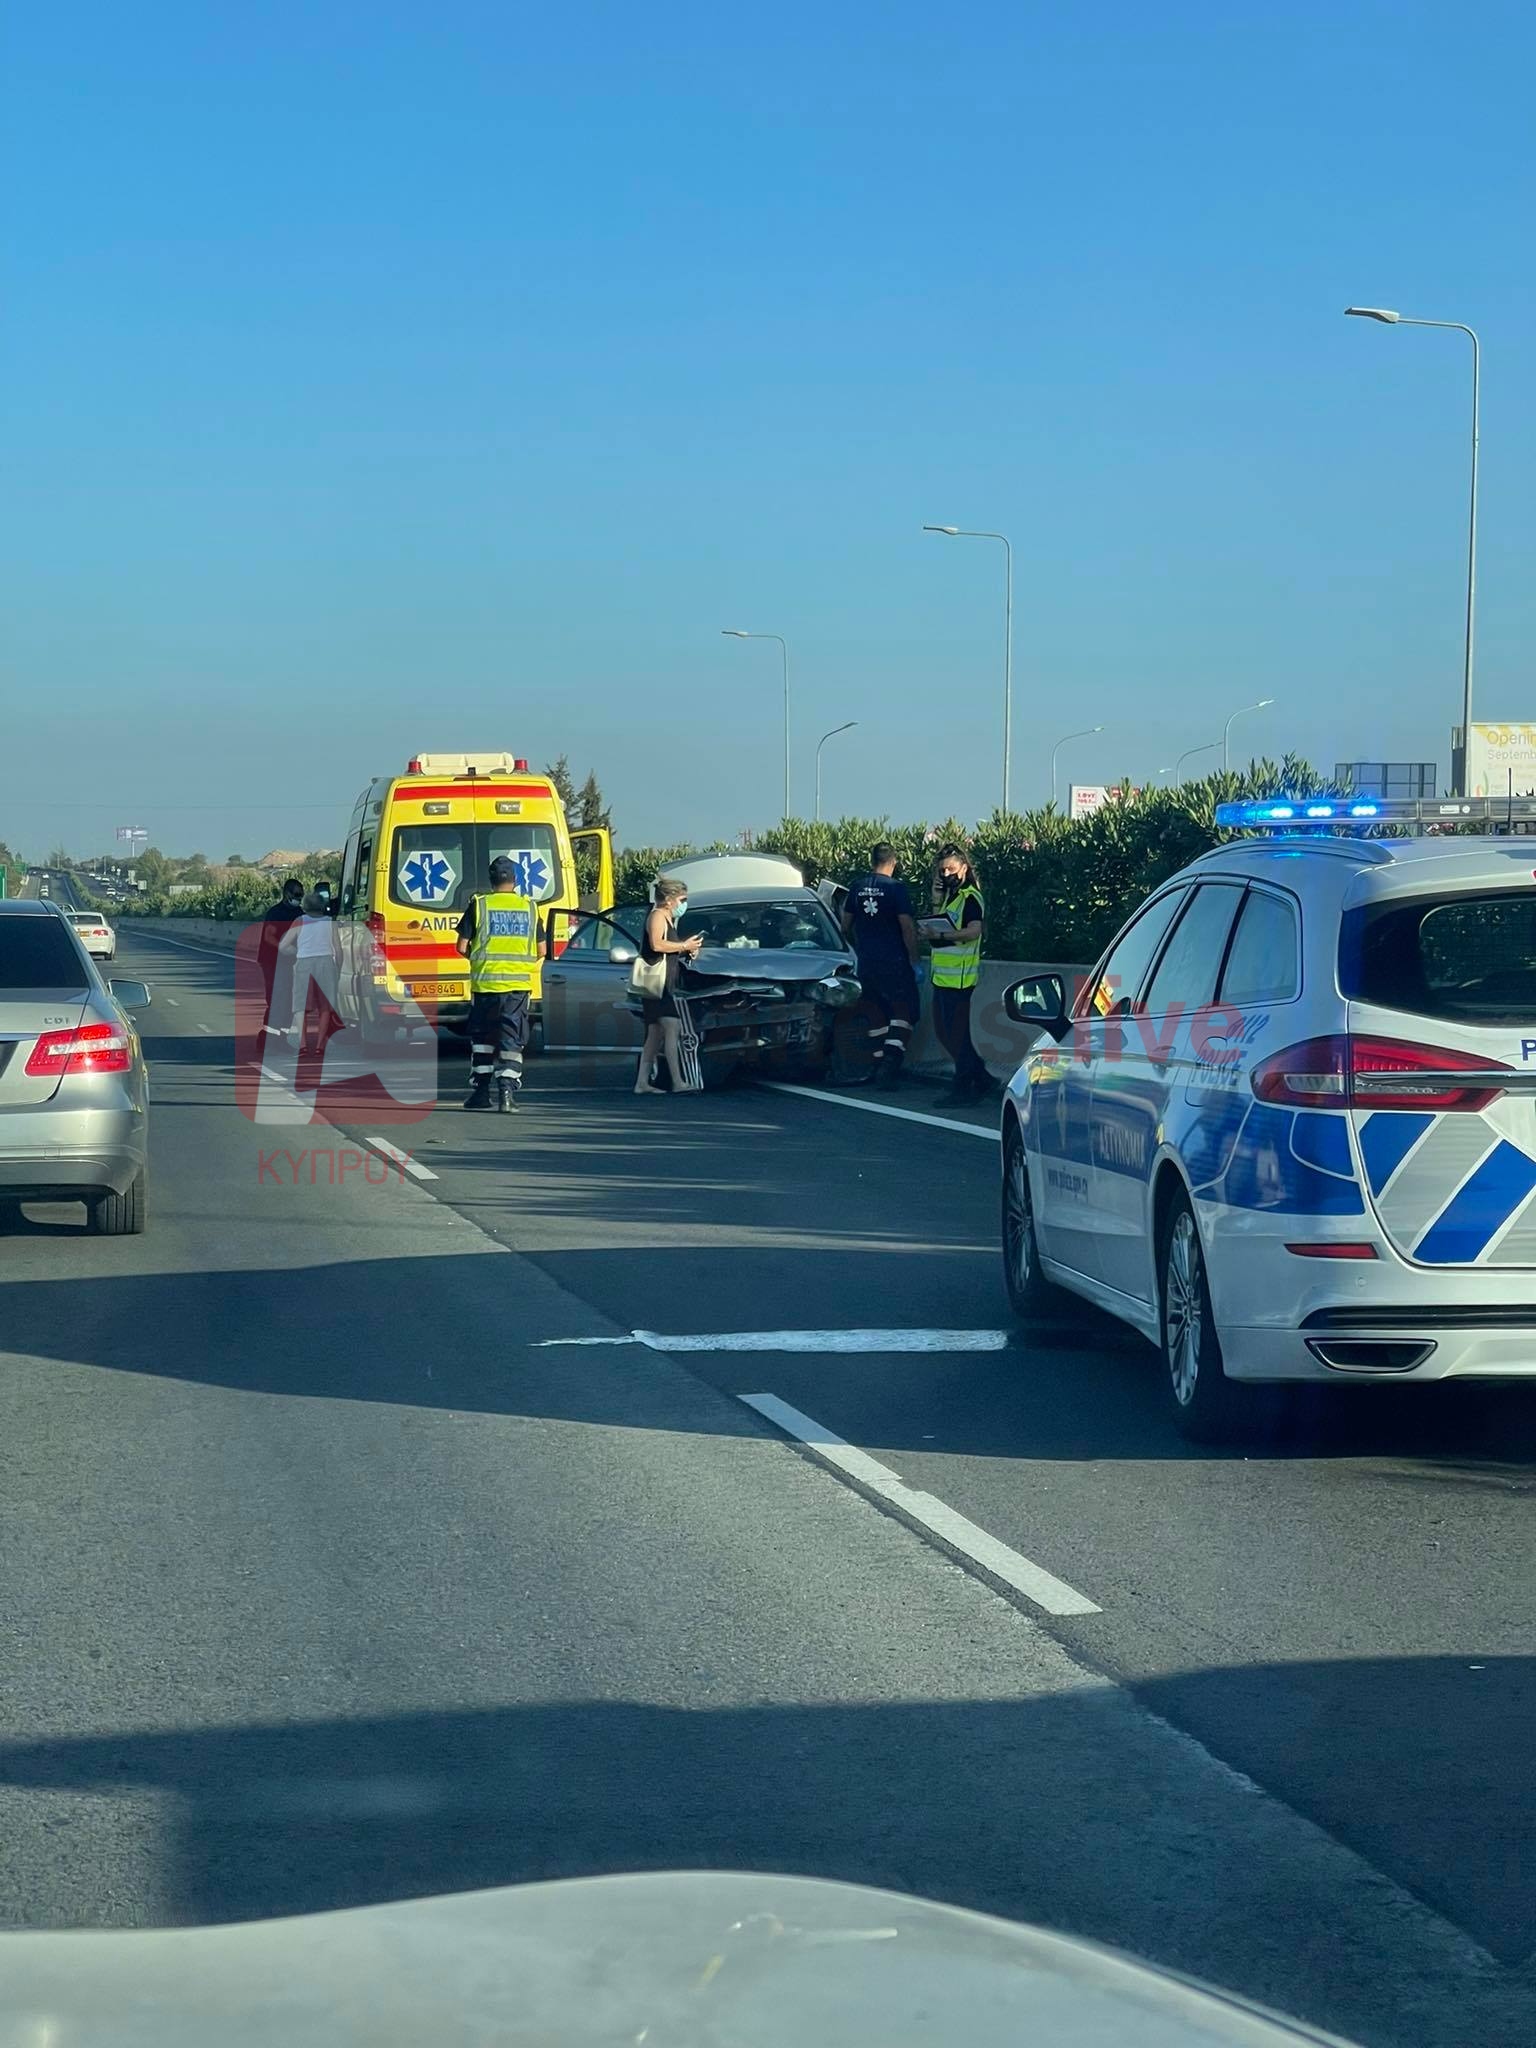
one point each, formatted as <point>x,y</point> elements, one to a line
<point>37,952</point>
<point>785,924</point>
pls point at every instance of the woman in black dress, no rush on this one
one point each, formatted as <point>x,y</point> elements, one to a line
<point>663,1025</point>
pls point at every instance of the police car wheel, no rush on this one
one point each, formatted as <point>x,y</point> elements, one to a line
<point>1030,1294</point>
<point>1207,1406</point>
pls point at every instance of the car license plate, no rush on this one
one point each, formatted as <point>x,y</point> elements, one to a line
<point>435,988</point>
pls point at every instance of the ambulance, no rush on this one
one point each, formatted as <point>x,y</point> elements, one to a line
<point>418,847</point>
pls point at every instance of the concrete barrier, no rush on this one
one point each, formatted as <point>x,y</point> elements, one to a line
<point>219,932</point>
<point>1001,1042</point>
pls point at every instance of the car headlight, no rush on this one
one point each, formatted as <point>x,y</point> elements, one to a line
<point>837,991</point>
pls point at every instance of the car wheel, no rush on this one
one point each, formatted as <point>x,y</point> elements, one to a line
<point>123,1215</point>
<point>1031,1296</point>
<point>1207,1406</point>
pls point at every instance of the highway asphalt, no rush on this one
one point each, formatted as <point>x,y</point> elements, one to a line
<point>353,1549</point>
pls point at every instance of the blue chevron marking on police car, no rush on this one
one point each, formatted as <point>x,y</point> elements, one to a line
<point>1266,1173</point>
<point>1320,1138</point>
<point>1479,1208</point>
<point>1386,1138</point>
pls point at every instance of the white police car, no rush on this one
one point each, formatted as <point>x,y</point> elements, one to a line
<point>1288,1129</point>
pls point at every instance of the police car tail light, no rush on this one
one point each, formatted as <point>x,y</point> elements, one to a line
<point>1389,1073</point>
<point>1377,1073</point>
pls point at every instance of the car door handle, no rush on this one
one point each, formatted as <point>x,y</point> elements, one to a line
<point>554,977</point>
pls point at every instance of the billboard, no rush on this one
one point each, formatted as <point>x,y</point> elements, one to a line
<point>1092,796</point>
<point>1502,756</point>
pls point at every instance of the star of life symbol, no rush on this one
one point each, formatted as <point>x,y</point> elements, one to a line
<point>533,878</point>
<point>426,876</point>
<point>870,904</point>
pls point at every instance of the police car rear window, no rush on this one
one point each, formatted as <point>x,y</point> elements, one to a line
<point>1466,958</point>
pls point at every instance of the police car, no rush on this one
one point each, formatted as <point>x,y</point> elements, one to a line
<point>1287,1129</point>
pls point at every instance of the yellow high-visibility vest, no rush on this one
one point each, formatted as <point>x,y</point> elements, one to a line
<point>504,951</point>
<point>959,965</point>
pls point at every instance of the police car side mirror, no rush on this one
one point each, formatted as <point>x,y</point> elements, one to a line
<point>622,956</point>
<point>1041,1001</point>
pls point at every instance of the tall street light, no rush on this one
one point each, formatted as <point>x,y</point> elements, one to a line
<point>1189,753</point>
<point>1391,319</point>
<point>1086,733</point>
<point>735,633</point>
<point>832,735</point>
<point>1226,731</point>
<point>968,533</point>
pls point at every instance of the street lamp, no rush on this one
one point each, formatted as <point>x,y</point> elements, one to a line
<point>1086,733</point>
<point>1226,731</point>
<point>968,533</point>
<point>832,735</point>
<point>735,633</point>
<point>1189,753</point>
<point>1391,319</point>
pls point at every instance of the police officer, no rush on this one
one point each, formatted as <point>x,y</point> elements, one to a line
<point>956,969</point>
<point>499,935</point>
<point>877,916</point>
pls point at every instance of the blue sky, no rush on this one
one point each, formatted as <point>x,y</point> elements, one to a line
<point>384,377</point>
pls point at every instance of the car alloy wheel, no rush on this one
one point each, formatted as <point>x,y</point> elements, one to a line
<point>1019,1222</point>
<point>1183,1308</point>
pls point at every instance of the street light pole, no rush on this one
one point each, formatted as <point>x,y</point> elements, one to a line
<point>1226,731</point>
<point>977,533</point>
<point>1086,733</point>
<point>735,633</point>
<point>1391,319</point>
<point>1188,754</point>
<point>832,735</point>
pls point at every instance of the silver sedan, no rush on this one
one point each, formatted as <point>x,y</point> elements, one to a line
<point>74,1091</point>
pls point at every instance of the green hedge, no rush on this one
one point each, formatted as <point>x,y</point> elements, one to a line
<point>1057,888</point>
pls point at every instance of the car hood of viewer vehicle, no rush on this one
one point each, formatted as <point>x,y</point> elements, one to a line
<point>681,1959</point>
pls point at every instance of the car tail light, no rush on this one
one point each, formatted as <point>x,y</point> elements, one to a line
<point>1334,1249</point>
<point>90,1049</point>
<point>1377,1073</point>
<point>378,961</point>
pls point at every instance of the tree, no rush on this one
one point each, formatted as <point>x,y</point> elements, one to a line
<point>590,808</point>
<point>152,868</point>
<point>195,860</point>
<point>59,858</point>
<point>560,775</point>
<point>236,860</point>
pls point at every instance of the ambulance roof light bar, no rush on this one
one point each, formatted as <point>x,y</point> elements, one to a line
<point>1288,814</point>
<point>466,764</point>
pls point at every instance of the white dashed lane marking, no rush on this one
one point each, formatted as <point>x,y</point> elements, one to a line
<point>954,1532</point>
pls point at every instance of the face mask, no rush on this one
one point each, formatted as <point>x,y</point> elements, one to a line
<point>680,907</point>
<point>951,885</point>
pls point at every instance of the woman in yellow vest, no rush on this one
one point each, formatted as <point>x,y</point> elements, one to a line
<point>499,934</point>
<point>956,968</point>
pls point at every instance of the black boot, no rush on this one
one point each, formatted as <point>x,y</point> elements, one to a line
<point>479,1096</point>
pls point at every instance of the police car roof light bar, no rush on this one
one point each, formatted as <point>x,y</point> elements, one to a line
<point>1282,814</point>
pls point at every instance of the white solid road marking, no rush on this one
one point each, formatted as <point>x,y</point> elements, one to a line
<point>206,1027</point>
<point>907,1116</point>
<point>956,1532</point>
<point>401,1159</point>
<point>815,1341</point>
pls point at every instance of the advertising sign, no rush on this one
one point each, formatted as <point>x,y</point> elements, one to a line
<point>1499,753</point>
<point>1092,796</point>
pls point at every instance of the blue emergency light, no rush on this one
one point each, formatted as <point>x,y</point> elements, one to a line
<point>1259,814</point>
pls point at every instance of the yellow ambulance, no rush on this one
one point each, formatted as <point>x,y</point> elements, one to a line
<point>418,847</point>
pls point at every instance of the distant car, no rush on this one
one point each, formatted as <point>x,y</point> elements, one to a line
<point>1287,1130</point>
<point>763,992</point>
<point>95,934</point>
<point>74,1091</point>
